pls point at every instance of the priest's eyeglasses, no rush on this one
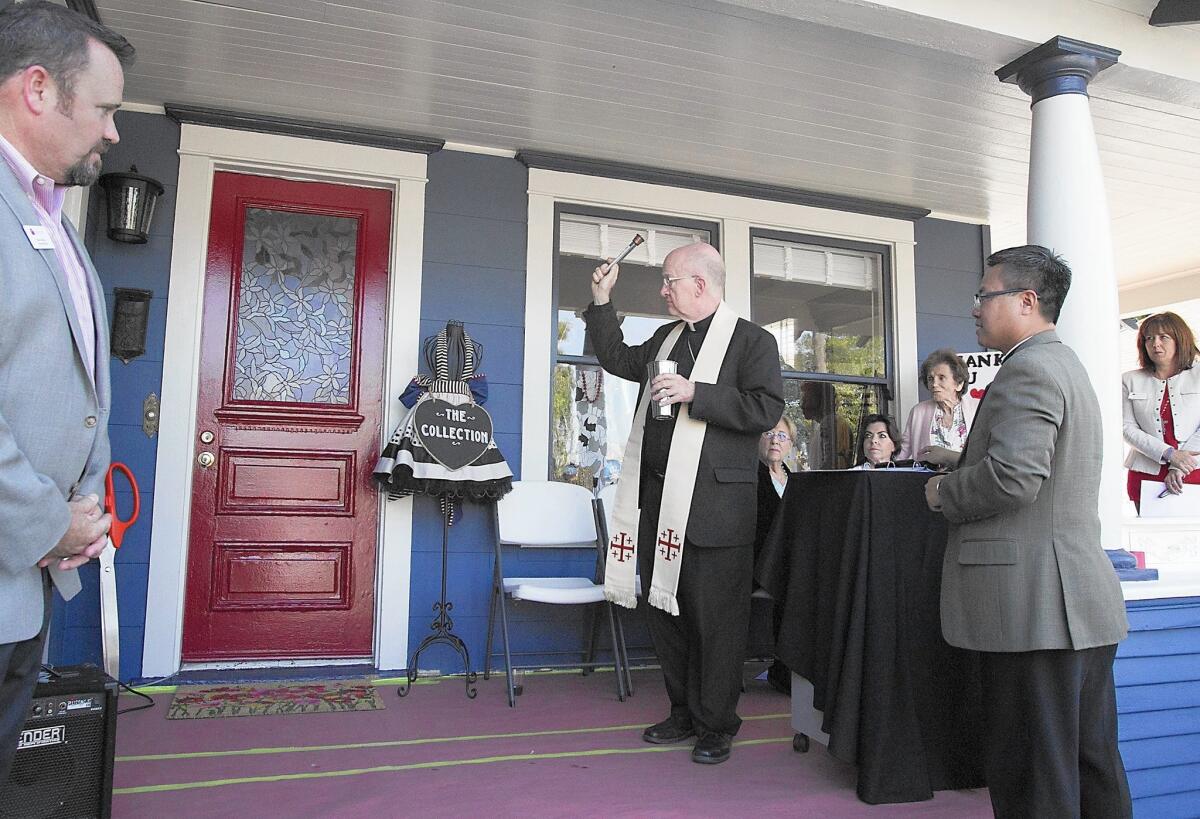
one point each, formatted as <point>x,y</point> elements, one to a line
<point>670,280</point>
<point>779,436</point>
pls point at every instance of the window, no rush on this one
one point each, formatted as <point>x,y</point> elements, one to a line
<point>591,411</point>
<point>733,219</point>
<point>825,301</point>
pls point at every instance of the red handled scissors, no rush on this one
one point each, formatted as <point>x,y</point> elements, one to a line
<point>110,632</point>
<point>116,532</point>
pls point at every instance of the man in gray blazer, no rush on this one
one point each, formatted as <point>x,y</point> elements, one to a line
<point>61,80</point>
<point>1025,581</point>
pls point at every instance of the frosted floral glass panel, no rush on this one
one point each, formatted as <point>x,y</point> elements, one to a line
<point>295,312</point>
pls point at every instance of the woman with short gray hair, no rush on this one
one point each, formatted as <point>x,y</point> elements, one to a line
<point>937,428</point>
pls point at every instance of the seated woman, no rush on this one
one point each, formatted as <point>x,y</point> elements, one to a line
<point>1161,401</point>
<point>937,428</point>
<point>773,448</point>
<point>880,440</point>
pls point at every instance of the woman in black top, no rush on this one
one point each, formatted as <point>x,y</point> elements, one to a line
<point>773,449</point>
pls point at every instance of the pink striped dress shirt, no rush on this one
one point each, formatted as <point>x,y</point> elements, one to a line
<point>47,199</point>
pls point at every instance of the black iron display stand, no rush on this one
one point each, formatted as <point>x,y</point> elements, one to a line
<point>442,625</point>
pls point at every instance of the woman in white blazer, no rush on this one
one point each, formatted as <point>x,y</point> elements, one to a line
<point>1161,403</point>
<point>937,428</point>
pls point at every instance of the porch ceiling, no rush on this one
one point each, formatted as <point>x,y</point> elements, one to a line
<point>712,87</point>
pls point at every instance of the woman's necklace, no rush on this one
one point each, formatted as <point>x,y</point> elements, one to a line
<point>591,394</point>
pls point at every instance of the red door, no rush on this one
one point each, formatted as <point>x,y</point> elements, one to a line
<point>281,551</point>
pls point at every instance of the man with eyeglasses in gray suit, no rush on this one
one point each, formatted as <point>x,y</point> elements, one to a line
<point>1025,581</point>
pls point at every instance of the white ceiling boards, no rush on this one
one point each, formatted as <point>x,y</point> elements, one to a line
<point>747,91</point>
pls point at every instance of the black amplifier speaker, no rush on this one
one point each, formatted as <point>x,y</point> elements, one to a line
<point>64,762</point>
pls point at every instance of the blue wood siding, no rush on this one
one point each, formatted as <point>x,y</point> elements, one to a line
<point>949,261</point>
<point>474,271</point>
<point>1157,674</point>
<point>151,142</point>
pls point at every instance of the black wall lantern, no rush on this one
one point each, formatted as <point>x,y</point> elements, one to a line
<point>131,314</point>
<point>131,200</point>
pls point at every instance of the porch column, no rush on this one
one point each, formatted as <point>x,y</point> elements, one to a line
<point>1068,213</point>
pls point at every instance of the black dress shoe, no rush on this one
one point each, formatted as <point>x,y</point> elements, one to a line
<point>668,731</point>
<point>713,748</point>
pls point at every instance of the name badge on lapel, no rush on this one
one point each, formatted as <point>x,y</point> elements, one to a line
<point>39,237</point>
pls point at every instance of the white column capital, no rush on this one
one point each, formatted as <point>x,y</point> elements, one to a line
<point>1058,66</point>
<point>1068,213</point>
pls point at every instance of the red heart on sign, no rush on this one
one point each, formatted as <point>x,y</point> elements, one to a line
<point>977,394</point>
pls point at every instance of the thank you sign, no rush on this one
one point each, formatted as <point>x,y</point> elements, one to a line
<point>455,436</point>
<point>981,369</point>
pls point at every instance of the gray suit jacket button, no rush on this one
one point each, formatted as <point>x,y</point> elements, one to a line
<point>90,421</point>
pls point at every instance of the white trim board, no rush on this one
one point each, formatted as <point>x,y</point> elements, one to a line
<point>203,151</point>
<point>736,217</point>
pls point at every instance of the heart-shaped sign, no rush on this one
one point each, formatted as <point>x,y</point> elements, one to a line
<point>455,436</point>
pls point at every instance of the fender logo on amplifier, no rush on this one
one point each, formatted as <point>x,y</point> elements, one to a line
<point>41,737</point>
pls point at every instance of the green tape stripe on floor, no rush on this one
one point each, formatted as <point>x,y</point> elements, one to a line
<point>398,742</point>
<point>415,766</point>
<point>378,681</point>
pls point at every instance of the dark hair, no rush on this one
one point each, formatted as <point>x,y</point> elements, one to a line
<point>947,356</point>
<point>1174,326</point>
<point>42,33</point>
<point>1033,267</point>
<point>892,430</point>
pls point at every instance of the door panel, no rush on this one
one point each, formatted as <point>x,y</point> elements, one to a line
<point>281,552</point>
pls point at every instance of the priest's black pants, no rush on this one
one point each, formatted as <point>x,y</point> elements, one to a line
<point>1051,741</point>
<point>702,649</point>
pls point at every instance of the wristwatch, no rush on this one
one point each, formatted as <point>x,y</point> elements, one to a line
<point>1168,454</point>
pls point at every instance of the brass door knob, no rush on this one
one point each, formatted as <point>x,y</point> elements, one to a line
<point>206,459</point>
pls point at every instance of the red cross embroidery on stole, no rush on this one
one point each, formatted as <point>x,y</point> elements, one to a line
<point>621,547</point>
<point>668,543</point>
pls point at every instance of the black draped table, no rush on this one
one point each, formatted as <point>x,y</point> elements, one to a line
<point>855,560</point>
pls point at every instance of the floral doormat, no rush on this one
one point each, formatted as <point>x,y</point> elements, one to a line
<point>257,700</point>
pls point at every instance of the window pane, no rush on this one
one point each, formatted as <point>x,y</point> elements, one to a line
<point>591,414</point>
<point>828,419</point>
<point>823,305</point>
<point>295,313</point>
<point>591,411</point>
<point>584,242</point>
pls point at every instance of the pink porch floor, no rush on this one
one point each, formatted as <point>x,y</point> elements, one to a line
<point>569,748</point>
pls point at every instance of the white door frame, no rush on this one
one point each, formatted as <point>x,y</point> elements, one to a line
<point>203,151</point>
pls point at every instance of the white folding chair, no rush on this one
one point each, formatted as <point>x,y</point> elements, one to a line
<point>548,514</point>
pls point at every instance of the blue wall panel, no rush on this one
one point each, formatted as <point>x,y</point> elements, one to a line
<point>949,260</point>
<point>151,142</point>
<point>474,271</point>
<point>1157,674</point>
<point>1159,723</point>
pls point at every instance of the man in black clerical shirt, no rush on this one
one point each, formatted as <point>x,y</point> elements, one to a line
<point>701,650</point>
